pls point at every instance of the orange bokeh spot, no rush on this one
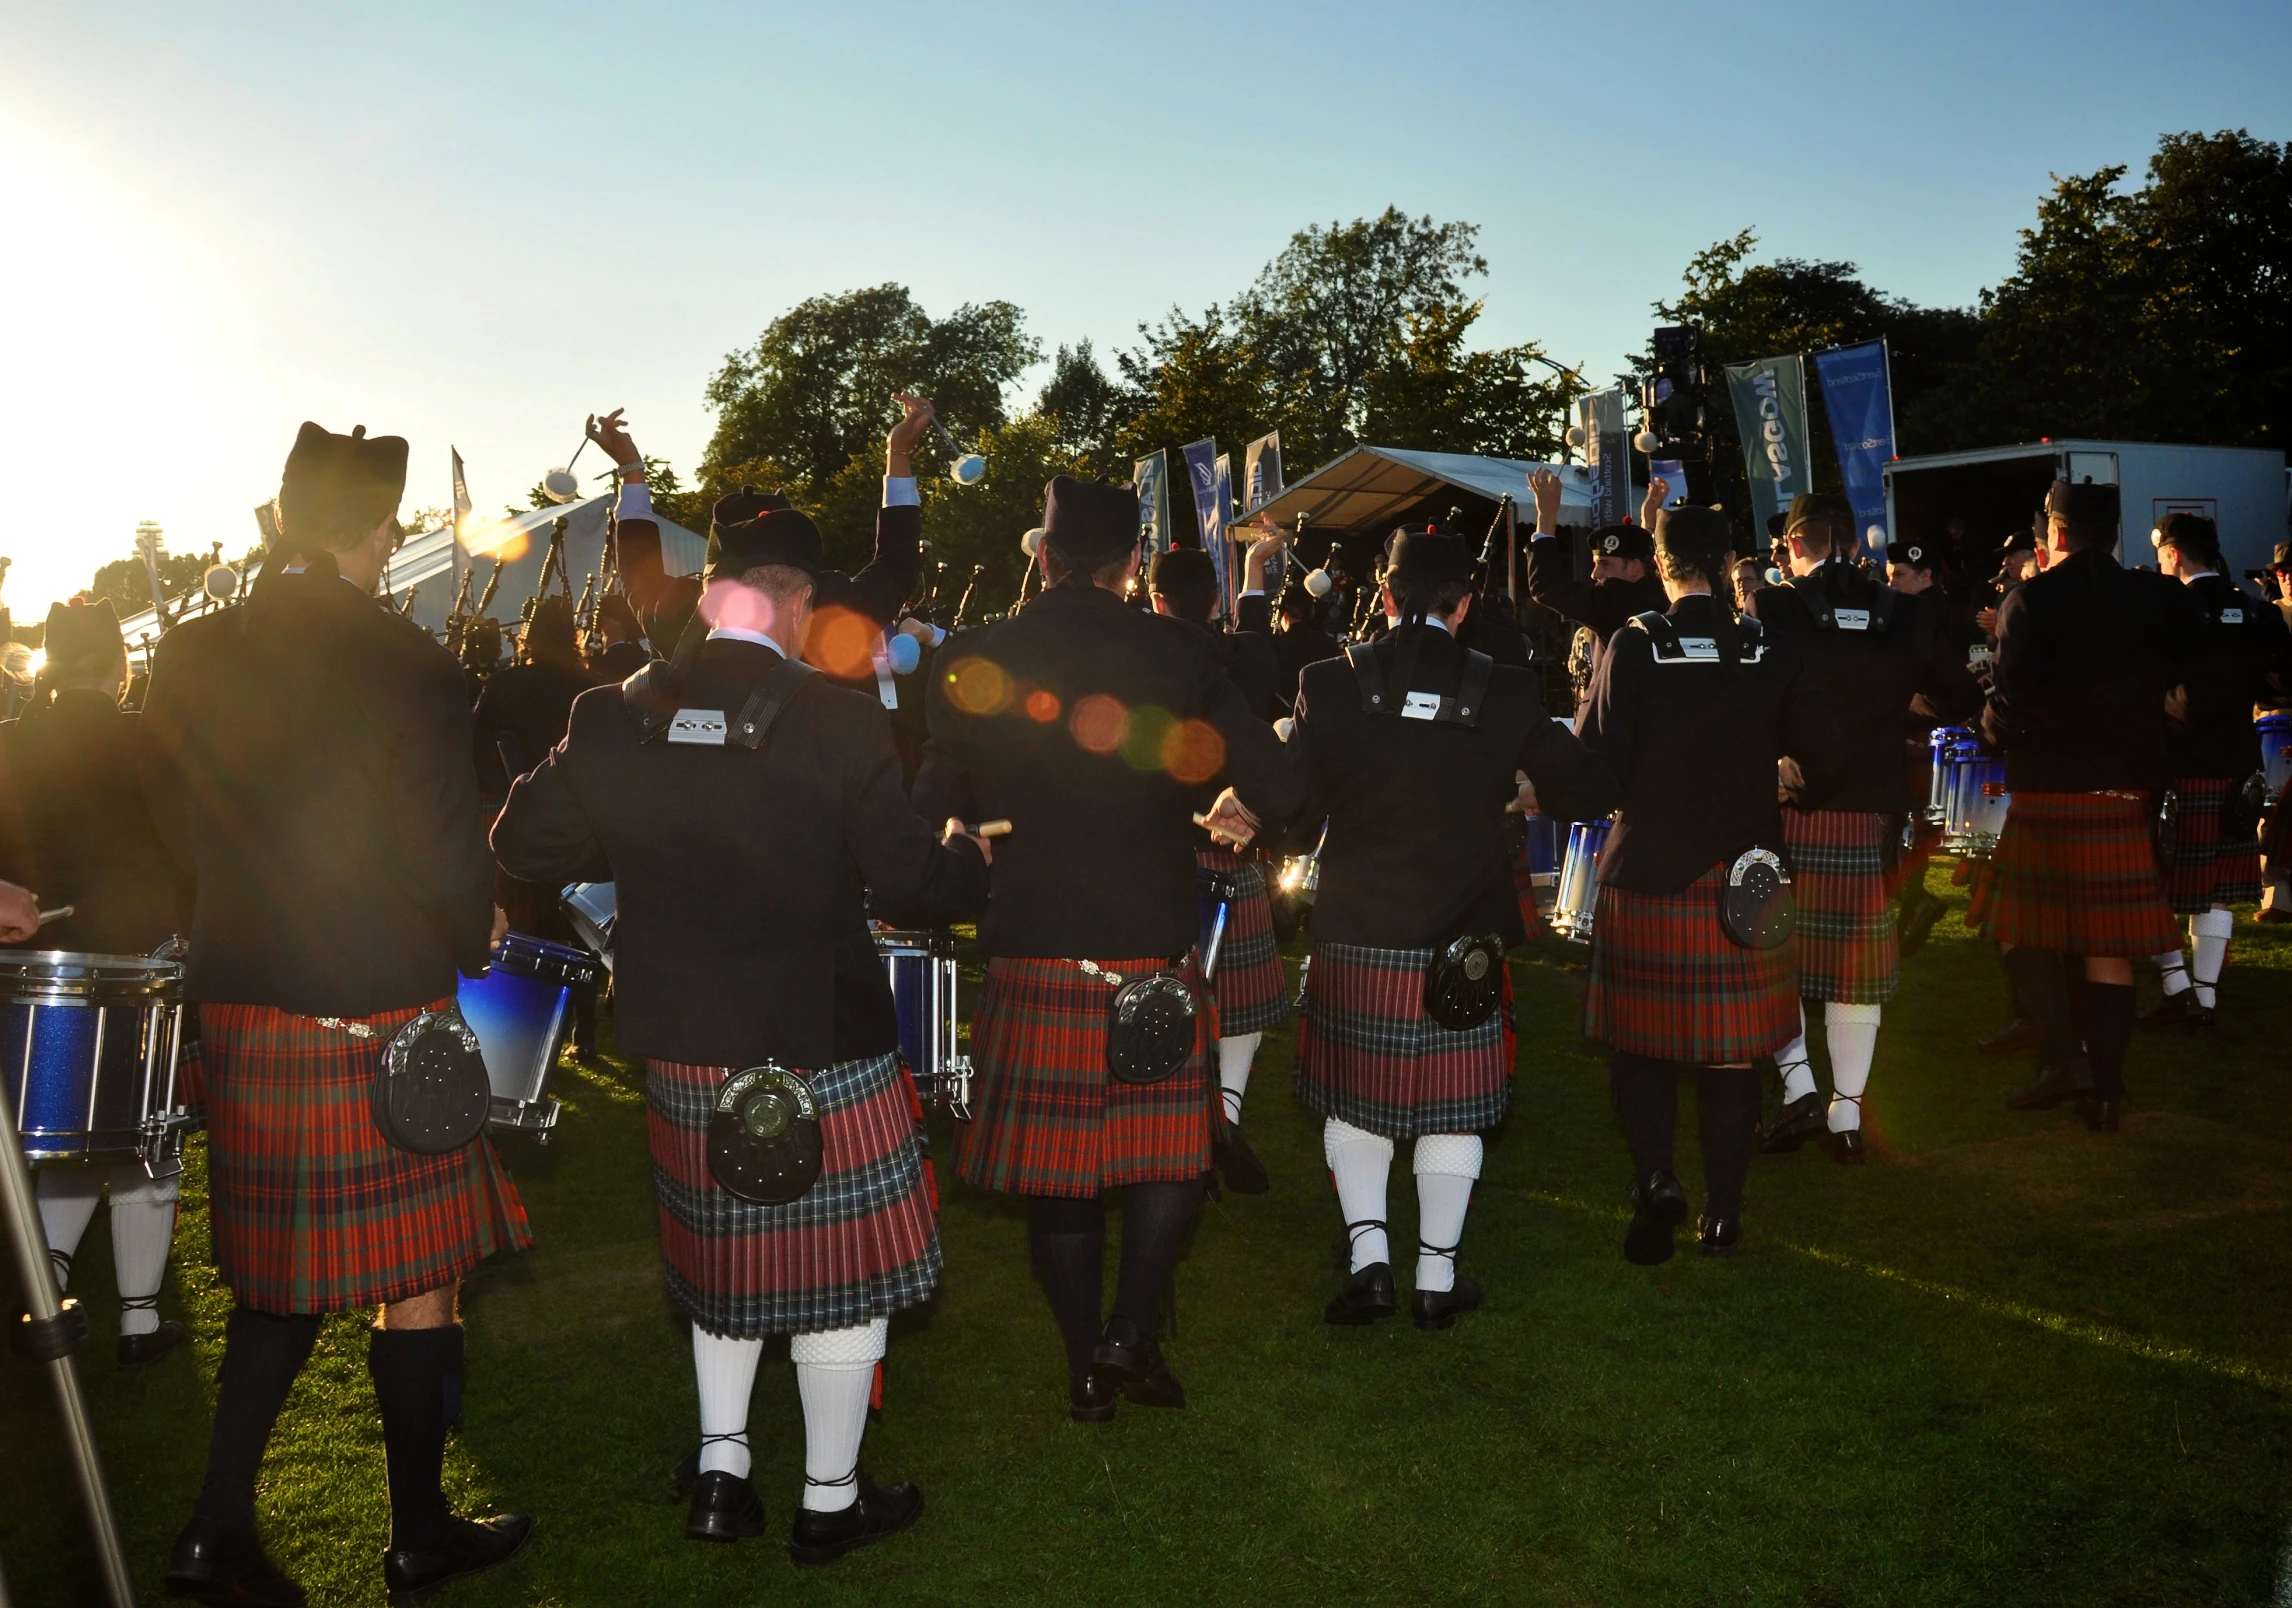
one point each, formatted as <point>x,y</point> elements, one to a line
<point>1042,705</point>
<point>1099,723</point>
<point>978,687</point>
<point>1193,752</point>
<point>841,642</point>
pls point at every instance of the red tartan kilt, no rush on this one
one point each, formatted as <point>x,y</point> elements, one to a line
<point>1368,1055</point>
<point>1667,983</point>
<point>860,1244</point>
<point>313,1210</point>
<point>2207,868</point>
<point>1050,1119</point>
<point>1252,990</point>
<point>1848,949</point>
<point>2076,873</point>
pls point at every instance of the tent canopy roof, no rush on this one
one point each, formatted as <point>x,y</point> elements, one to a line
<point>1368,489</point>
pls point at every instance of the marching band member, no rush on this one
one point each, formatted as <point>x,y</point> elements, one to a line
<point>2214,858</point>
<point>1916,568</point>
<point>308,760</point>
<point>1694,709</point>
<point>1623,583</point>
<point>1868,649</point>
<point>74,825</point>
<point>1251,990</point>
<point>2087,651</point>
<point>1091,726</point>
<point>1287,623</point>
<point>739,802</point>
<point>1411,745</point>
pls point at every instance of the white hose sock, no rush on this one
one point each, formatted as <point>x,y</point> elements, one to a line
<point>1852,1033</point>
<point>1234,1057</point>
<point>1791,1062</point>
<point>1361,1162</point>
<point>142,1229</point>
<point>835,1376</point>
<point>68,1198</point>
<point>726,1371</point>
<point>1446,1165</point>
<point>2209,932</point>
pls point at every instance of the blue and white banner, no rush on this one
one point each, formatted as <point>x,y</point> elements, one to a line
<point>1261,472</point>
<point>1150,476</point>
<point>1221,550</point>
<point>1202,478</point>
<point>1860,401</point>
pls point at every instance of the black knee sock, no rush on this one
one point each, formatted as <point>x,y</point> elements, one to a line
<point>1068,1238</point>
<point>409,1369</point>
<point>1156,1218</point>
<point>262,1353</point>
<point>2040,984</point>
<point>2107,1027</point>
<point>1646,1095</point>
<point>1727,1118</point>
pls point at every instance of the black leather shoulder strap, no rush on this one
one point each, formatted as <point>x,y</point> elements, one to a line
<point>1472,691</point>
<point>1659,630</point>
<point>1362,656</point>
<point>754,722</point>
<point>653,695</point>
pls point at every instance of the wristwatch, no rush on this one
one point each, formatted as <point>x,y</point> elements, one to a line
<point>630,471</point>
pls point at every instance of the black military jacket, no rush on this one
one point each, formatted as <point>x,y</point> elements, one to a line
<point>2240,644</point>
<point>1417,852</point>
<point>740,874</point>
<point>1293,648</point>
<point>1094,728</point>
<point>2087,650</point>
<point>75,830</point>
<point>1695,748</point>
<point>1869,650</point>
<point>308,762</point>
<point>529,705</point>
<point>1602,605</point>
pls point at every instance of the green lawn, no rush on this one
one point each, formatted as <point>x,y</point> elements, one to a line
<point>2005,1362</point>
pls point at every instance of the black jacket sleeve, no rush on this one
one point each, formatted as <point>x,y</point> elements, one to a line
<point>1259,767</point>
<point>1572,783</point>
<point>543,834</point>
<point>1253,613</point>
<point>1942,677</point>
<point>892,574</point>
<point>943,781</point>
<point>1552,582</point>
<point>898,853</point>
<point>433,800</point>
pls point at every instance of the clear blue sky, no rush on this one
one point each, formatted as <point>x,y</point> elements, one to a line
<point>471,224</point>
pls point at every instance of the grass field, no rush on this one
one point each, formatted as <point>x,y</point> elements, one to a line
<point>2006,1362</point>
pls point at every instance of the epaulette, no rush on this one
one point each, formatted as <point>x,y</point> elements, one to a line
<point>1873,619</point>
<point>1672,648</point>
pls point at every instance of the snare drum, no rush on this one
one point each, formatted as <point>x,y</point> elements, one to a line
<point>592,908</point>
<point>521,1011</point>
<point>1978,801</point>
<point>89,1046</point>
<point>1939,742</point>
<point>921,967</point>
<point>2275,752</point>
<point>1578,893</point>
<point>1546,841</point>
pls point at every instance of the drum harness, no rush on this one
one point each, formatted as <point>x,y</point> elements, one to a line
<point>1465,980</point>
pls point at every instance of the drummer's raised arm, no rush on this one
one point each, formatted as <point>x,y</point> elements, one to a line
<point>19,914</point>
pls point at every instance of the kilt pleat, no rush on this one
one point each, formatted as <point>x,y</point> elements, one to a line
<point>1251,988</point>
<point>313,1210</point>
<point>1843,889</point>
<point>2076,873</point>
<point>1049,1119</point>
<point>1666,982</point>
<point>1368,1055</point>
<point>2207,867</point>
<point>861,1243</point>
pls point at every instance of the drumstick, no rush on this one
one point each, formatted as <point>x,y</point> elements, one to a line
<point>995,828</point>
<point>57,914</point>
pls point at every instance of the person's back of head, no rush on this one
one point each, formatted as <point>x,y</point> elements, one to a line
<point>550,637</point>
<point>1185,582</point>
<point>2084,515</point>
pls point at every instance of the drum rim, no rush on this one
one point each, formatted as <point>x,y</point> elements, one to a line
<point>74,978</point>
<point>147,965</point>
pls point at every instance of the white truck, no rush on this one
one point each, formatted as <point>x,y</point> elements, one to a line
<point>1996,490</point>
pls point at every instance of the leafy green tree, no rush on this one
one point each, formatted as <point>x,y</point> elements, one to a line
<point>1088,407</point>
<point>128,584</point>
<point>1432,389</point>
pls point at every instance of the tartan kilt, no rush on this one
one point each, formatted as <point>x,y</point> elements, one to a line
<point>862,1242</point>
<point>1844,893</point>
<point>1524,891</point>
<point>1251,989</point>
<point>2207,868</point>
<point>1667,983</point>
<point>1367,1054</point>
<point>1049,1119</point>
<point>2076,873</point>
<point>313,1210</point>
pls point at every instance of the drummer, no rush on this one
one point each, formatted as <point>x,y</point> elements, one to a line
<point>742,941</point>
<point>2215,855</point>
<point>74,825</point>
<point>1623,579</point>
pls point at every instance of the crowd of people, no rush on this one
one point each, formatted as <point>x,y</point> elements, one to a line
<point>343,821</point>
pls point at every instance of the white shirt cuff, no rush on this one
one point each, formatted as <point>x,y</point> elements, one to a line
<point>899,492</point>
<point>1254,591</point>
<point>1543,535</point>
<point>636,501</point>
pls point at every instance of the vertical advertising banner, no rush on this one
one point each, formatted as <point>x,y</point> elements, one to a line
<point>461,517</point>
<point>1222,549</point>
<point>1204,468</point>
<point>1150,476</point>
<point>1770,398</point>
<point>1261,472</point>
<point>1607,454</point>
<point>1860,401</point>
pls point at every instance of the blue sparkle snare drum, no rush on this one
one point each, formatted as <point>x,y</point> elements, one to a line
<point>1578,893</point>
<point>89,1047</point>
<point>521,1011</point>
<point>2275,752</point>
<point>593,909</point>
<point>1939,742</point>
<point>1978,802</point>
<point>921,969</point>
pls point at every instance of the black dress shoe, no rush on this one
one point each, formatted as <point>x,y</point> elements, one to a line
<point>2015,1035</point>
<point>725,1507</point>
<point>1802,1119</point>
<point>1845,1147</point>
<point>1717,1236</point>
<point>2054,1084</point>
<point>1090,1398</point>
<point>1659,1205</point>
<point>142,1350</point>
<point>2102,1116</point>
<point>212,1562</point>
<point>1917,924</point>
<point>1245,1174</point>
<point>877,1512</point>
<point>1366,1297</point>
<point>1437,1309</point>
<point>472,1546</point>
<point>1130,1359</point>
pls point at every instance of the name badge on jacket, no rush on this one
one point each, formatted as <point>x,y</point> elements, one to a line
<point>702,726</point>
<point>2232,616</point>
<point>1852,619</point>
<point>1421,706</point>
